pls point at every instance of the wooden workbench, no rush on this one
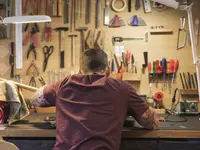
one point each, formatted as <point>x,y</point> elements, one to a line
<point>34,126</point>
<point>32,133</point>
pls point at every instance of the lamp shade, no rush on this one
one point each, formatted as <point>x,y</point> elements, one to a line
<point>169,3</point>
<point>26,19</point>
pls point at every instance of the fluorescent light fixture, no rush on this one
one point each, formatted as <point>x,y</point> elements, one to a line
<point>26,19</point>
<point>169,3</point>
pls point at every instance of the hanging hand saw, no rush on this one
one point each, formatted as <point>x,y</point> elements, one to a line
<point>182,32</point>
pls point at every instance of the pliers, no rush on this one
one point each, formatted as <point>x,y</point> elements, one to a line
<point>32,65</point>
<point>32,35</point>
<point>32,49</point>
<point>35,25</point>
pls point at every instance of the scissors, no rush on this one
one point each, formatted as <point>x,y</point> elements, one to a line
<point>47,53</point>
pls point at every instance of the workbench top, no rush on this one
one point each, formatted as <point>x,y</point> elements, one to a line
<point>34,126</point>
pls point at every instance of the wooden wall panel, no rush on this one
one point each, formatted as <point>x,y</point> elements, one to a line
<point>159,46</point>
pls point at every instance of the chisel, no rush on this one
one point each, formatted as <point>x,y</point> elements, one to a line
<point>129,5</point>
<point>185,80</point>
<point>106,13</point>
<point>182,81</point>
<point>195,75</point>
<point>116,61</point>
<point>193,83</point>
<point>189,81</point>
<point>137,4</point>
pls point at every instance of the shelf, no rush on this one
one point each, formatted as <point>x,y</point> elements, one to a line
<point>189,92</point>
<point>191,95</point>
<point>131,77</point>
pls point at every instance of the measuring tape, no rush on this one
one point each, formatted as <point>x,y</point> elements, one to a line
<point>158,96</point>
<point>118,9</point>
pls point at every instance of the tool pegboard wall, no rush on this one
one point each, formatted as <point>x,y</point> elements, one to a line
<point>158,46</point>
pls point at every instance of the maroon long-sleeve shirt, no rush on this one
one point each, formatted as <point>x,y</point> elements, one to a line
<point>90,111</point>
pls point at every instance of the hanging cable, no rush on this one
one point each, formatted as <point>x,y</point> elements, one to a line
<point>118,9</point>
<point>172,111</point>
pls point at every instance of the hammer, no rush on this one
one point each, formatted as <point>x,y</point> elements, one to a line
<point>82,37</point>
<point>62,51</point>
<point>73,54</point>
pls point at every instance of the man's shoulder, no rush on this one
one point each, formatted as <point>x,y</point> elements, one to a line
<point>118,82</point>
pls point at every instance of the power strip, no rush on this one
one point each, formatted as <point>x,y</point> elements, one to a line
<point>147,6</point>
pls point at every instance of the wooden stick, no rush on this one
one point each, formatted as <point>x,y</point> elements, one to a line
<point>27,87</point>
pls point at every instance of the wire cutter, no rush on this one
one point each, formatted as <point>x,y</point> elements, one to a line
<point>42,81</point>
<point>32,81</point>
<point>32,49</point>
<point>32,65</point>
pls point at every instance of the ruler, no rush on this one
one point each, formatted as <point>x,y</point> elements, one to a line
<point>18,36</point>
<point>147,6</point>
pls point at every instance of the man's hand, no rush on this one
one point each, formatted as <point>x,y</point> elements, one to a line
<point>149,119</point>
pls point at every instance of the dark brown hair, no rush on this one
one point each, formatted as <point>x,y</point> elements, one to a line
<point>94,60</point>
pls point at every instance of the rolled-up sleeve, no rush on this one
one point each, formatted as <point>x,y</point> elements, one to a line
<point>46,96</point>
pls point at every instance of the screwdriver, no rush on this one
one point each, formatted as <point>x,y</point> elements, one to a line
<point>157,71</point>
<point>168,76</point>
<point>154,69</point>
<point>133,64</point>
<point>175,68</point>
<point>164,66</point>
<point>149,69</point>
<point>113,66</point>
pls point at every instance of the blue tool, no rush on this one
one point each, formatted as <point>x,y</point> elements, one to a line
<point>47,53</point>
<point>134,21</point>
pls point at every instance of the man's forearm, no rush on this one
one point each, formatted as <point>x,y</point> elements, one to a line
<point>149,119</point>
<point>38,99</point>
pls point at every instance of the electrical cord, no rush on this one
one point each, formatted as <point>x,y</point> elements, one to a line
<point>118,9</point>
<point>172,111</point>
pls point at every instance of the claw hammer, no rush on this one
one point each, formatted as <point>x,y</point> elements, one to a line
<point>82,37</point>
<point>61,31</point>
<point>73,54</point>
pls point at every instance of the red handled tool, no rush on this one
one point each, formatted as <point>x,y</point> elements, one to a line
<point>157,71</point>
<point>33,37</point>
<point>175,68</point>
<point>48,32</point>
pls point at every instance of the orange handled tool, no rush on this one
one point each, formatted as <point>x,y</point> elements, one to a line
<point>149,67</point>
<point>175,68</point>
